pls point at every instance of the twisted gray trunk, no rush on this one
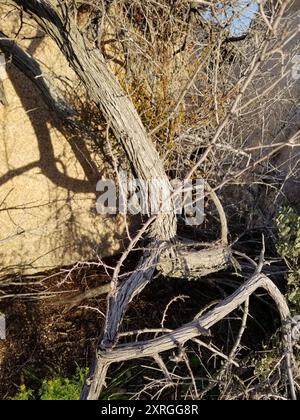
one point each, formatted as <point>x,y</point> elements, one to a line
<point>127,127</point>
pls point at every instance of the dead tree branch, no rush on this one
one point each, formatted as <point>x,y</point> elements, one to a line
<point>195,328</point>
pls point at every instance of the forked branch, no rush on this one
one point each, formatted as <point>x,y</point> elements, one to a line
<point>197,327</point>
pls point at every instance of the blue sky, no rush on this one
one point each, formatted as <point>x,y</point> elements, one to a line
<point>245,12</point>
<point>241,11</point>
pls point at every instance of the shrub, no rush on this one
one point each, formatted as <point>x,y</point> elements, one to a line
<point>24,394</point>
<point>56,389</point>
<point>288,246</point>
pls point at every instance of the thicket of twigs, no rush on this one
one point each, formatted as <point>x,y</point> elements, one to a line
<point>186,97</point>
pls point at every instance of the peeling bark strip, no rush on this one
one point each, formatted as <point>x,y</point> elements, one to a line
<point>3,73</point>
<point>3,76</point>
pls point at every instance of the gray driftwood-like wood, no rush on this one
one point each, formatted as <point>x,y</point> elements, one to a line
<point>193,264</point>
<point>197,327</point>
<point>121,115</point>
<point>126,125</point>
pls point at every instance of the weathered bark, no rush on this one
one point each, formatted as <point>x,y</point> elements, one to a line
<point>106,92</point>
<point>198,326</point>
<point>124,121</point>
<point>129,131</point>
<point>27,65</point>
<point>64,115</point>
<point>187,263</point>
<point>193,264</point>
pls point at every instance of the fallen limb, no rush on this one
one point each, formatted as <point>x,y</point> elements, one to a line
<point>195,328</point>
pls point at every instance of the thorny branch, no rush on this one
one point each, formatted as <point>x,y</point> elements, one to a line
<point>159,232</point>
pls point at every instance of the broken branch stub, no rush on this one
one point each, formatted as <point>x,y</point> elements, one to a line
<point>193,264</point>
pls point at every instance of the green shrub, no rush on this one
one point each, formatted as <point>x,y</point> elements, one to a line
<point>62,388</point>
<point>288,246</point>
<point>24,394</point>
<point>56,389</point>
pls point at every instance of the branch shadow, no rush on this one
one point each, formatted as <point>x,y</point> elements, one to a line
<point>48,163</point>
<point>69,235</point>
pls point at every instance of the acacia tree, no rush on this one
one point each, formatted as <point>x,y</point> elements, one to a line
<point>226,99</point>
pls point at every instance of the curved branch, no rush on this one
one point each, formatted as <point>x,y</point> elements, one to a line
<point>106,92</point>
<point>29,66</point>
<point>179,337</point>
<point>126,124</point>
<point>222,215</point>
